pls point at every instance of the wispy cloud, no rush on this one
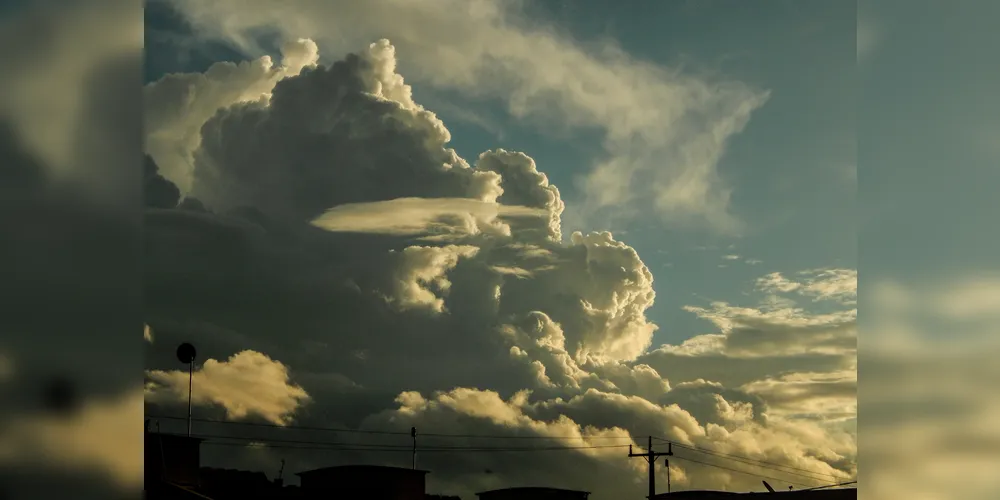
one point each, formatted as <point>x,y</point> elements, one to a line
<point>453,112</point>
<point>821,284</point>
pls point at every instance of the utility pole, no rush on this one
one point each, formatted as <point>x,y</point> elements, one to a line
<point>651,457</point>
<point>280,481</point>
<point>413,434</point>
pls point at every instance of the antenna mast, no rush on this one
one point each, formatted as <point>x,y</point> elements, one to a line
<point>186,353</point>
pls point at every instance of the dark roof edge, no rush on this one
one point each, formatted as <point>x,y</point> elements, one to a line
<point>335,467</point>
<point>522,488</point>
<point>170,435</point>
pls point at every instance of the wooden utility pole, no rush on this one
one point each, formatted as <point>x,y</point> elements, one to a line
<point>651,457</point>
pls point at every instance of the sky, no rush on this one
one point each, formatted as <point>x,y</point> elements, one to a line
<point>927,143</point>
<point>791,172</point>
<point>496,218</point>
<point>329,218</point>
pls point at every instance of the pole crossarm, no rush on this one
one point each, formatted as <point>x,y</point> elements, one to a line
<point>655,455</point>
<point>651,457</point>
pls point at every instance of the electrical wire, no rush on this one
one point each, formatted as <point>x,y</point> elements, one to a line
<point>749,461</point>
<point>748,473</point>
<point>776,467</point>
<point>276,426</point>
<point>391,433</point>
<point>307,445</point>
<point>401,447</point>
<point>797,474</point>
<point>250,443</point>
<point>831,486</point>
<point>374,447</point>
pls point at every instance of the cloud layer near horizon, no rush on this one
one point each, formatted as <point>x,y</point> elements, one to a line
<point>466,311</point>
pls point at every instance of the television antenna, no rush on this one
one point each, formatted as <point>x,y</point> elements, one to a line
<point>186,353</point>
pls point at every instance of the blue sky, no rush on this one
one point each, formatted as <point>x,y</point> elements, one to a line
<point>928,134</point>
<point>791,170</point>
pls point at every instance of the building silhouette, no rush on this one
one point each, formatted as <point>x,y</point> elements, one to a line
<point>374,482</point>
<point>173,471</point>
<point>225,484</point>
<point>533,493</point>
<point>172,467</point>
<point>832,494</point>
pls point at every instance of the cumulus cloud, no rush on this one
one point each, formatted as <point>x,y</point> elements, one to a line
<point>615,421</point>
<point>468,311</point>
<point>663,131</point>
<point>827,395</point>
<point>178,105</point>
<point>756,331</point>
<point>422,272</point>
<point>798,364</point>
<point>247,383</point>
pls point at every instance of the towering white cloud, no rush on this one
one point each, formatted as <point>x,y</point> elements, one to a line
<point>664,132</point>
<point>178,105</point>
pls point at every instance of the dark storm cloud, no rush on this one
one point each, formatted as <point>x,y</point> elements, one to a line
<point>158,191</point>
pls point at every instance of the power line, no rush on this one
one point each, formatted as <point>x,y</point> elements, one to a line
<point>276,426</point>
<point>797,474</point>
<point>497,436</point>
<point>298,441</point>
<point>356,446</point>
<point>774,467</point>
<point>391,433</point>
<point>391,446</point>
<point>742,471</point>
<point>831,486</point>
<point>296,447</point>
<point>747,460</point>
<point>375,447</point>
<point>372,447</point>
<point>249,443</point>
